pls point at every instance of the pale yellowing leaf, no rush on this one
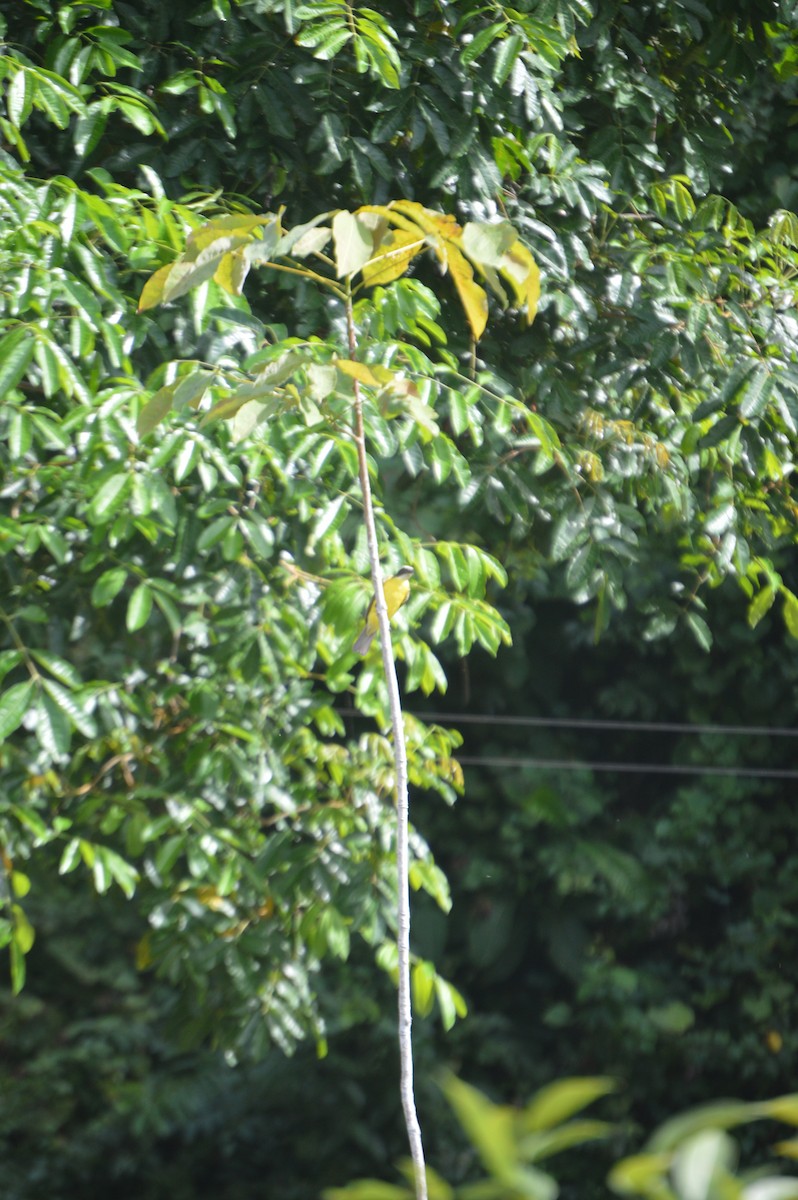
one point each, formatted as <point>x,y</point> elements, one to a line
<point>520,268</point>
<point>152,292</point>
<point>231,272</point>
<point>396,252</point>
<point>486,244</point>
<point>472,297</point>
<point>639,1174</point>
<point>155,409</point>
<point>353,241</point>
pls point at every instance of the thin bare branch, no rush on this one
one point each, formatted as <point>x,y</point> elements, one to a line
<point>402,800</point>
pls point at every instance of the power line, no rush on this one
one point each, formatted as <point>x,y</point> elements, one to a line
<point>566,764</point>
<point>594,723</point>
<point>601,723</point>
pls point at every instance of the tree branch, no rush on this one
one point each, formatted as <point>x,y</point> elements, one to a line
<point>402,801</point>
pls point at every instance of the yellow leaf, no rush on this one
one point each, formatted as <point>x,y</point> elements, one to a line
<point>393,259</point>
<point>445,236</point>
<point>520,268</point>
<point>353,239</point>
<point>152,292</point>
<point>358,371</point>
<point>24,934</point>
<point>143,953</point>
<point>438,224</point>
<point>473,298</point>
<point>783,1108</point>
<point>788,1149</point>
<point>372,376</point>
<point>239,226</point>
<point>640,1174</point>
<point>231,272</point>
<point>489,1126</point>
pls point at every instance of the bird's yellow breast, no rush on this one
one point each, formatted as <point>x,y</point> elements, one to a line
<point>396,592</point>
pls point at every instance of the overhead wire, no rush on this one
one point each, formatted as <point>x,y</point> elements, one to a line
<point>637,768</point>
<point>606,724</point>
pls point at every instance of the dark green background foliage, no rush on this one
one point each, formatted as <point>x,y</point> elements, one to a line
<point>195,812</point>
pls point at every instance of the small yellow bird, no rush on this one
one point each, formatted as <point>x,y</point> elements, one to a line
<point>397,590</point>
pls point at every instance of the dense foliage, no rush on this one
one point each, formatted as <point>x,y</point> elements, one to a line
<point>691,1155</point>
<point>181,722</point>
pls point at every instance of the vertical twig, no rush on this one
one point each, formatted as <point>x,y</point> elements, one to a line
<point>402,801</point>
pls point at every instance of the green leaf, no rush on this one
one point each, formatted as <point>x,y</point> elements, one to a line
<point>55,542</point>
<point>506,54</point>
<point>19,97</point>
<point>139,608</point>
<point>70,857</point>
<point>20,434</point>
<point>722,1114</point>
<point>491,1130</point>
<point>108,586</point>
<point>443,621</point>
<point>16,351</point>
<point>24,934</point>
<point>720,520</point>
<point>734,383</point>
<point>761,604</point>
<point>481,41</point>
<point>110,497</point>
<point>567,534</point>
<point>757,393</point>
<point>369,1189</point>
<point>70,708</point>
<point>700,630</point>
<point>335,932</point>
<point>54,728</point>
<point>790,612</point>
<point>215,532</point>
<point>14,705</point>
<point>109,866</point>
<point>58,667</point>
<point>329,520</point>
<point>20,884</point>
<point>675,1017</point>
<point>558,1101</point>
<point>641,1175</point>
<point>423,978</point>
<point>89,129</point>
<point>450,1001</point>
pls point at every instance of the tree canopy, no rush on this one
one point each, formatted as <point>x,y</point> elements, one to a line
<point>608,486</point>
